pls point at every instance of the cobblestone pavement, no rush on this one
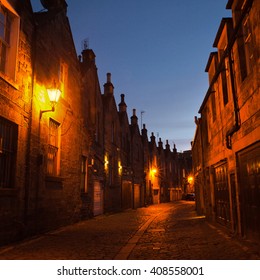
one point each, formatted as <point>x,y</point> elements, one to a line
<point>164,231</point>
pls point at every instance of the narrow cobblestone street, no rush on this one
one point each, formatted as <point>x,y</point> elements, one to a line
<point>163,231</point>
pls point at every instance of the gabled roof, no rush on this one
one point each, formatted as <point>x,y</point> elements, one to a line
<point>211,56</point>
<point>229,4</point>
<point>223,22</point>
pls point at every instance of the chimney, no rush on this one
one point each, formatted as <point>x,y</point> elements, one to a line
<point>122,105</point>
<point>152,138</point>
<point>54,5</point>
<point>108,86</point>
<point>134,118</point>
<point>144,131</point>
<point>88,57</point>
<point>160,143</point>
<point>167,146</point>
<point>108,77</point>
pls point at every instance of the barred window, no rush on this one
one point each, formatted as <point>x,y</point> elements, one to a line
<point>53,156</point>
<point>8,152</point>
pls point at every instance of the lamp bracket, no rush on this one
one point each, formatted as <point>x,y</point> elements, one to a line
<point>45,111</point>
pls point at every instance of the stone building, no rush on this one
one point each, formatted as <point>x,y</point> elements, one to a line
<point>66,152</point>
<point>125,166</point>
<point>92,165</point>
<point>42,140</point>
<point>153,174</point>
<point>162,172</point>
<point>226,147</point>
<point>137,162</point>
<point>146,167</point>
<point>16,94</point>
<point>112,157</point>
<point>59,138</point>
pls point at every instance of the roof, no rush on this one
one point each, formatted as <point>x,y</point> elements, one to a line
<point>229,4</point>
<point>223,22</point>
<point>211,56</point>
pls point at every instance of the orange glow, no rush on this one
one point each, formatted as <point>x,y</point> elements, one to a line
<point>106,162</point>
<point>190,179</point>
<point>120,168</point>
<point>54,95</point>
<point>153,171</point>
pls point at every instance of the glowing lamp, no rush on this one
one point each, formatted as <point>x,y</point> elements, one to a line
<point>120,168</point>
<point>190,179</point>
<point>153,171</point>
<point>54,95</point>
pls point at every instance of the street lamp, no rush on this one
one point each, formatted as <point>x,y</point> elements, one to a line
<point>54,95</point>
<point>190,179</point>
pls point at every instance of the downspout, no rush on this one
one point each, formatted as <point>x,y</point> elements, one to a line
<point>27,181</point>
<point>237,125</point>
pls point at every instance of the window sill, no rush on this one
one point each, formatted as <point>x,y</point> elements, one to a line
<point>8,80</point>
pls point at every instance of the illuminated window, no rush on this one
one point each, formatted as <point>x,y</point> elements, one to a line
<point>63,77</point>
<point>9,31</point>
<point>8,151</point>
<point>53,157</point>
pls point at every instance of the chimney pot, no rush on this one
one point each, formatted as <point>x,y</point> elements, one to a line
<point>108,77</point>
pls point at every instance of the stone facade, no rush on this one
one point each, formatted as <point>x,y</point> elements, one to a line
<point>226,144</point>
<point>78,156</point>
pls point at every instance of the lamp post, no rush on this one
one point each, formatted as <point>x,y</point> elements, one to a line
<point>54,95</point>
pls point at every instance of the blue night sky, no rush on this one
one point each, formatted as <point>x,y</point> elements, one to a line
<point>156,52</point>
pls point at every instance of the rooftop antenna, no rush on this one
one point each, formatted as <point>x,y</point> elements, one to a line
<point>85,44</point>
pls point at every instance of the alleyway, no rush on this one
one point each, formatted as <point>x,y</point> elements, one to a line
<point>164,231</point>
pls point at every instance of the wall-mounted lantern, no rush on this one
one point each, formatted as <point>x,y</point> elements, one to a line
<point>120,168</point>
<point>54,95</point>
<point>106,162</point>
<point>153,172</point>
<point>190,179</point>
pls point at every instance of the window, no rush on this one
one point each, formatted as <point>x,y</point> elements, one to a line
<point>83,179</point>
<point>53,157</point>
<point>8,151</point>
<point>63,77</point>
<point>245,49</point>
<point>213,105</point>
<point>224,79</point>
<point>9,30</point>
<point>248,44</point>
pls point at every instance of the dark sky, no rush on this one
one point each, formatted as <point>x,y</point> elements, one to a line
<point>156,52</point>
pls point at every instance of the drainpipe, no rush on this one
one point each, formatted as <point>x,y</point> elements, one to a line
<point>27,180</point>
<point>236,126</point>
